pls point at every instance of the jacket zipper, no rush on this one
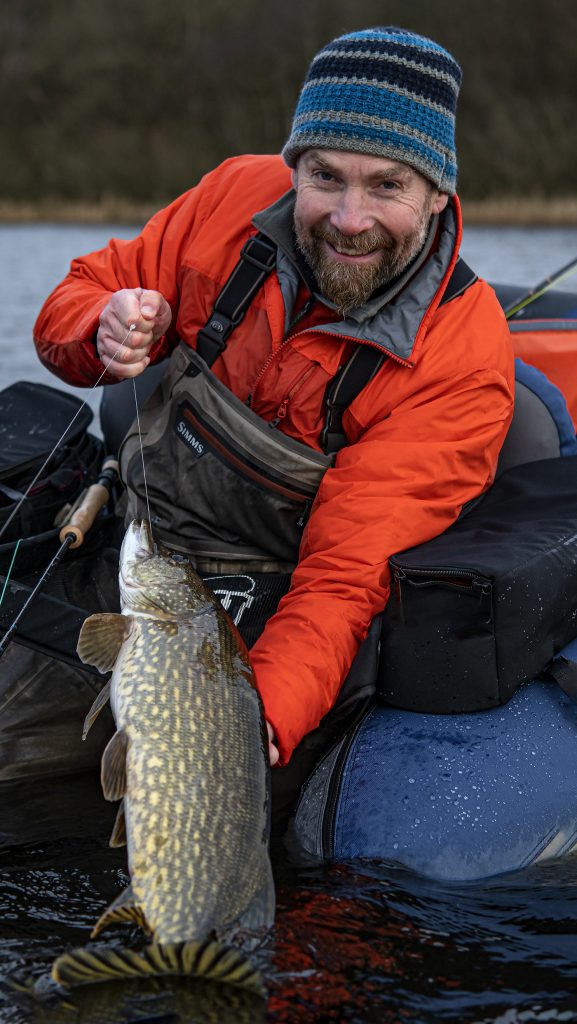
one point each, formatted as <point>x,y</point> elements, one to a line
<point>344,337</point>
<point>282,409</point>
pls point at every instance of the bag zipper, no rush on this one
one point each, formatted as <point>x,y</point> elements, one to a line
<point>445,576</point>
<point>334,786</point>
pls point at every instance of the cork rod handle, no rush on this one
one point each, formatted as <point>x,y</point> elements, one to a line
<point>95,498</point>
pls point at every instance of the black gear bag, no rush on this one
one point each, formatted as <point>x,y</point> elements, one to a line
<point>485,606</point>
<point>33,419</point>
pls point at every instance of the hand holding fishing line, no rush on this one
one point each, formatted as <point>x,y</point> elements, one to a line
<point>130,323</point>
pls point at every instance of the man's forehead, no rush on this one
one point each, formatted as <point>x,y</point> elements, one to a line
<point>334,159</point>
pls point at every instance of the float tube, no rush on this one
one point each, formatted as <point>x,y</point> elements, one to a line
<point>466,796</point>
<point>455,796</point>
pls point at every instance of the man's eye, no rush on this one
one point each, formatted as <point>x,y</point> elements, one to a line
<point>388,185</point>
<point>324,176</point>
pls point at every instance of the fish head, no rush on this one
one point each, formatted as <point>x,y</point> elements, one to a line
<point>153,579</point>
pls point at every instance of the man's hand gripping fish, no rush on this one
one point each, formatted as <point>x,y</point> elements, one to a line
<point>189,759</point>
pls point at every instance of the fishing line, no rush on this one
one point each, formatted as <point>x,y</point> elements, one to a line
<point>141,450</point>
<point>61,439</point>
<point>9,570</point>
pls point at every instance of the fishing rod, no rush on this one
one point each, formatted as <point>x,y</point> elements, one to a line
<point>540,289</point>
<point>71,535</point>
<point>82,518</point>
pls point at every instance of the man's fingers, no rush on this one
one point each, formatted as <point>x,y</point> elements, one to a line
<point>151,304</point>
<point>133,345</point>
<point>123,353</point>
<point>273,753</point>
<point>130,323</point>
<point>124,370</point>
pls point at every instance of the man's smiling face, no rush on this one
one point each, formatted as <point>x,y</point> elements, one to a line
<point>359,220</point>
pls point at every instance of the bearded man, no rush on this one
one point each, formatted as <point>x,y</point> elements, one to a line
<point>334,395</point>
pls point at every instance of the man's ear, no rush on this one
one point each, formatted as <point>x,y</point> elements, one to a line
<point>440,202</point>
<point>294,177</point>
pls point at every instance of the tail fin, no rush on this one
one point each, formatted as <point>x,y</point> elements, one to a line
<point>189,959</point>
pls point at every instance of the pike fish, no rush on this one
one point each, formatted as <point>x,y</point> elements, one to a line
<point>189,761</point>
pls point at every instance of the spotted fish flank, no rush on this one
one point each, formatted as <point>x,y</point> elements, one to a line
<point>189,761</point>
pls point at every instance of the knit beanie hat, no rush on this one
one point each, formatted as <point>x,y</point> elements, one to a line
<point>383,91</point>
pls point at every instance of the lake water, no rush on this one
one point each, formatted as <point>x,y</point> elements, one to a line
<point>35,257</point>
<point>359,943</point>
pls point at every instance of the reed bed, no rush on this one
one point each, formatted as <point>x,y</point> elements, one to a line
<point>517,211</point>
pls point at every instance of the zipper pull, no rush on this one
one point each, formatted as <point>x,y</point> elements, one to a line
<point>398,578</point>
<point>281,411</point>
<point>306,309</point>
<point>485,591</point>
<point>301,521</point>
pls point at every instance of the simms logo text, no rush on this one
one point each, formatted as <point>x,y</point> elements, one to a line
<point>190,439</point>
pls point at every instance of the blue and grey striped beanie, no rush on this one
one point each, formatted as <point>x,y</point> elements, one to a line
<point>383,91</point>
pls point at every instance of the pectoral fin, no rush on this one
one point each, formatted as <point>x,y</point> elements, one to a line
<point>101,638</point>
<point>113,767</point>
<point>100,702</point>
<point>118,837</point>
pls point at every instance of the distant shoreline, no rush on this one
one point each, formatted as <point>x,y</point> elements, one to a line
<point>516,211</point>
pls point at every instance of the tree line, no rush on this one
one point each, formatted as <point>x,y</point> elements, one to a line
<point>139,99</point>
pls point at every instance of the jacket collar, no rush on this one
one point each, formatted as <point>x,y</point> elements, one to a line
<point>391,319</point>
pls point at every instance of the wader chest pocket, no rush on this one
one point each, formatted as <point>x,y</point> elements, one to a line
<point>202,436</point>
<point>222,483</point>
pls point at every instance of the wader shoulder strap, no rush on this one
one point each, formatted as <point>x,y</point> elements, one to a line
<point>364,363</point>
<point>257,260</point>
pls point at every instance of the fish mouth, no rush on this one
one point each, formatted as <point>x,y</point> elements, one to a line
<point>137,547</point>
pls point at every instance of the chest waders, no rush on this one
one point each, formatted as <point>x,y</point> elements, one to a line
<point>225,487</point>
<point>233,493</point>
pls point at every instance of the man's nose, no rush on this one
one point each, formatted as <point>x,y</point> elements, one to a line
<point>352,214</point>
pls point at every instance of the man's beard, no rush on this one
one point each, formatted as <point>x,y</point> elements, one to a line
<point>349,286</point>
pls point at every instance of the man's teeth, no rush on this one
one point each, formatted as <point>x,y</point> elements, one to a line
<point>351,252</point>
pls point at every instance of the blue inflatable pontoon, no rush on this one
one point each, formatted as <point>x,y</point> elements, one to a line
<point>459,796</point>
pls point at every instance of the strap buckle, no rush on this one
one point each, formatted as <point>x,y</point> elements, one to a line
<point>254,248</point>
<point>257,260</point>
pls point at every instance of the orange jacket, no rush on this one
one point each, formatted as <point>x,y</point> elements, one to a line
<point>424,434</point>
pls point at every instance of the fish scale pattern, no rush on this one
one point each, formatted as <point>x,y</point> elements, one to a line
<point>175,699</point>
<point>387,92</point>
